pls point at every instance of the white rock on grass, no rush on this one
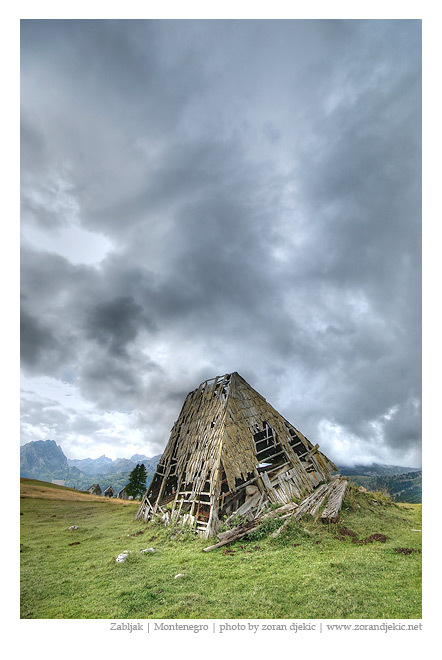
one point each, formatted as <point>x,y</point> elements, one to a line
<point>179,575</point>
<point>147,550</point>
<point>122,556</point>
<point>73,527</point>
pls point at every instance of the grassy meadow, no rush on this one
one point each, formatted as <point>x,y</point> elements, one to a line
<point>311,570</point>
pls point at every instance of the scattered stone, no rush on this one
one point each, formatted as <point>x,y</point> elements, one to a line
<point>72,527</point>
<point>361,489</point>
<point>147,550</point>
<point>416,530</point>
<point>179,575</point>
<point>375,502</point>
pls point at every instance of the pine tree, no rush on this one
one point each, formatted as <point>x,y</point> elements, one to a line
<point>137,481</point>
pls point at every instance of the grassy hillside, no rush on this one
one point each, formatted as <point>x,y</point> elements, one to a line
<point>311,571</point>
<point>36,489</point>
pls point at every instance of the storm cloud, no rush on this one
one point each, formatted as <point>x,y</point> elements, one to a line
<point>201,197</point>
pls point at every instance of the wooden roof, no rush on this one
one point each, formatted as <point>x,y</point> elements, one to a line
<point>217,425</point>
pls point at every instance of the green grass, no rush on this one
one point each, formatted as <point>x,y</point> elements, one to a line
<point>322,577</point>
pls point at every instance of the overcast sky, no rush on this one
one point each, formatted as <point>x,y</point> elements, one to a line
<point>202,197</point>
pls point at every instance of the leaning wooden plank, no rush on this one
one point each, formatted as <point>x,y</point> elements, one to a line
<point>333,506</point>
<point>314,510</point>
<point>261,505</point>
<point>249,504</point>
<point>310,500</point>
<point>269,488</point>
<point>331,487</point>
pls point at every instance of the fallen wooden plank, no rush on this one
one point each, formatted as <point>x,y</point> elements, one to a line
<point>239,533</point>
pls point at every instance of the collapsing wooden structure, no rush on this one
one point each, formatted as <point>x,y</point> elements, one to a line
<point>231,453</point>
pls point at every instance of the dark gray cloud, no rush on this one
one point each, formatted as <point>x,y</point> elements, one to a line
<point>259,183</point>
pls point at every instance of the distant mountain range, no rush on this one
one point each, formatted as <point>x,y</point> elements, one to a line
<point>375,470</point>
<point>45,460</point>
<point>403,484</point>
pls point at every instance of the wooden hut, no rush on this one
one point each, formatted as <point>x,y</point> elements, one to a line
<point>109,492</point>
<point>94,489</point>
<point>231,453</point>
<point>122,494</point>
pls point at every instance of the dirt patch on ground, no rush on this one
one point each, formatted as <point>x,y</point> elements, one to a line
<point>370,539</point>
<point>74,543</point>
<point>406,551</point>
<point>141,531</point>
<point>344,532</point>
<point>376,537</point>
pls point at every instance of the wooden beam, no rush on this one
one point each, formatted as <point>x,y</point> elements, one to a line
<point>334,504</point>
